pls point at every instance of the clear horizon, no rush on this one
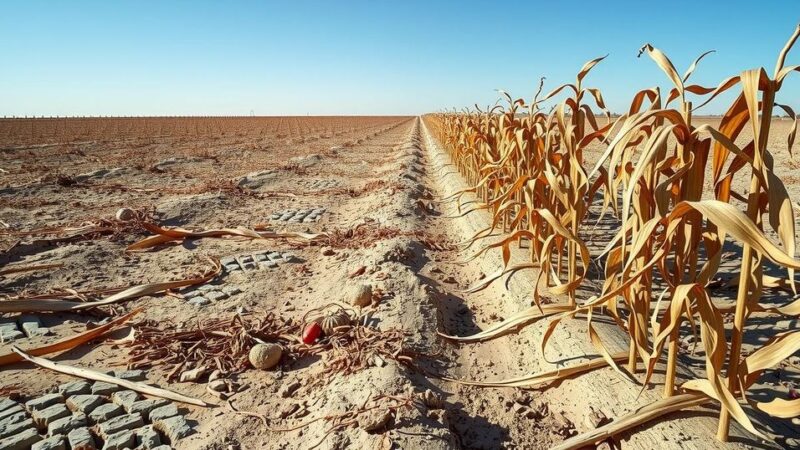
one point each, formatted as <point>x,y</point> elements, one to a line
<point>363,58</point>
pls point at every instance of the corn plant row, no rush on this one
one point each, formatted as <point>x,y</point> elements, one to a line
<point>669,182</point>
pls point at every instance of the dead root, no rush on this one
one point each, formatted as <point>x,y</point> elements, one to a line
<point>366,235</point>
<point>91,229</point>
<point>224,345</point>
<point>220,344</point>
<point>354,349</point>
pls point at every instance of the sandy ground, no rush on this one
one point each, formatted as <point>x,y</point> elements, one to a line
<point>377,180</point>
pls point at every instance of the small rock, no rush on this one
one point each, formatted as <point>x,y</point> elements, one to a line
<point>44,401</point>
<point>605,445</point>
<point>56,442</point>
<point>131,375</point>
<point>193,374</point>
<point>288,410</point>
<point>595,419</point>
<point>121,423</point>
<point>361,295</point>
<point>231,290</point>
<point>215,296</point>
<point>255,180</point>
<point>81,439</point>
<point>125,214</point>
<point>21,441</point>
<point>103,388</point>
<point>14,415</point>
<point>147,437</point>
<point>84,403</point>
<point>265,356</point>
<point>44,417</point>
<point>15,427</point>
<point>687,341</point>
<point>32,326</point>
<point>125,398</point>
<point>8,325</point>
<point>6,403</point>
<point>64,424</point>
<point>327,251</point>
<point>218,386</point>
<point>12,411</point>
<point>106,412</point>
<point>144,407</point>
<point>174,428</point>
<point>288,389</point>
<point>199,301</point>
<point>564,426</point>
<point>10,336</point>
<point>523,398</point>
<point>163,412</point>
<point>539,410</point>
<point>75,388</point>
<point>120,440</point>
<point>374,420</point>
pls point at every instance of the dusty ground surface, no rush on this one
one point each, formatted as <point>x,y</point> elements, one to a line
<point>378,181</point>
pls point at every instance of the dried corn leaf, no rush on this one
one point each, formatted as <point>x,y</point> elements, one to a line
<point>99,376</point>
<point>164,235</point>
<point>46,305</point>
<point>71,341</point>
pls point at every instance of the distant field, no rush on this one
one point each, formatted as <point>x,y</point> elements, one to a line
<point>31,131</point>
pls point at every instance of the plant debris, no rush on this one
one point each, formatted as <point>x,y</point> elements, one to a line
<point>366,235</point>
<point>99,376</point>
<point>70,342</point>
<point>225,344</point>
<point>51,304</point>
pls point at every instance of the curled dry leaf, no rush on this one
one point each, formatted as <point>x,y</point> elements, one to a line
<point>99,376</point>
<point>42,305</point>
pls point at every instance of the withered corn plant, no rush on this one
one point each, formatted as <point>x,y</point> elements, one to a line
<point>671,185</point>
<point>530,174</point>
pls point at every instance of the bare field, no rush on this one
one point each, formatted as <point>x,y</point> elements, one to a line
<point>339,204</point>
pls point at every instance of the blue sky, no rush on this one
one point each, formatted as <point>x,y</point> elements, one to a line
<point>370,57</point>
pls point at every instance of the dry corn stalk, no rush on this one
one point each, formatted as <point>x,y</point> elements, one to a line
<point>527,170</point>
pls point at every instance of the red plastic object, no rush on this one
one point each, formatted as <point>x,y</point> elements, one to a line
<point>312,332</point>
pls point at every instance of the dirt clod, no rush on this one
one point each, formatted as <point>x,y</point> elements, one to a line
<point>289,389</point>
<point>193,375</point>
<point>361,295</point>
<point>374,420</point>
<point>595,419</point>
<point>125,214</point>
<point>265,356</point>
